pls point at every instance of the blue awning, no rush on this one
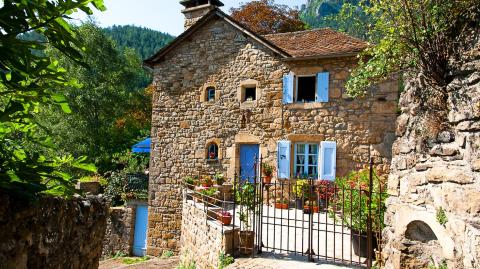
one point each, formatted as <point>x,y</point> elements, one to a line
<point>142,147</point>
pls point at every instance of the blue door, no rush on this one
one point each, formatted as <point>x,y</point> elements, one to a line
<point>140,237</point>
<point>248,159</point>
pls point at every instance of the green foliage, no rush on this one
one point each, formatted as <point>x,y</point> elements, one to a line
<point>29,80</point>
<point>134,260</point>
<point>267,169</point>
<point>301,188</point>
<point>419,35</point>
<point>441,216</point>
<point>352,198</point>
<point>209,192</point>
<point>111,107</point>
<point>144,41</point>
<point>245,196</point>
<point>224,260</point>
<point>119,254</point>
<point>219,178</point>
<point>95,178</point>
<point>167,254</point>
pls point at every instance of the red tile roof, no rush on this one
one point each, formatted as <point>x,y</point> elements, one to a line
<point>317,42</point>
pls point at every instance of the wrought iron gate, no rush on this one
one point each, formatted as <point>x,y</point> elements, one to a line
<point>338,222</point>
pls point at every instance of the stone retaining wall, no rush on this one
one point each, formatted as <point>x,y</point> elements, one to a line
<point>434,208</point>
<point>51,232</point>
<point>203,240</point>
<point>120,231</point>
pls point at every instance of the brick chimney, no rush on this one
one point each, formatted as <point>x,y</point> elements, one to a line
<point>196,9</point>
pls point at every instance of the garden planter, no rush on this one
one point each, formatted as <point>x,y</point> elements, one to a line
<point>307,209</point>
<point>267,179</point>
<point>224,219</point>
<point>281,206</point>
<point>225,192</point>
<point>246,243</point>
<point>299,203</point>
<point>360,244</point>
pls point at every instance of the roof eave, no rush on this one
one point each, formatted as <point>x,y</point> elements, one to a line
<point>325,56</point>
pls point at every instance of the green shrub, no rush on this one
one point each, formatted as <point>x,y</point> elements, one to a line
<point>224,260</point>
<point>352,197</point>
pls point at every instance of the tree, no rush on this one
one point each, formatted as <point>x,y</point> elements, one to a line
<point>111,107</point>
<point>266,17</point>
<point>416,35</point>
<point>28,80</point>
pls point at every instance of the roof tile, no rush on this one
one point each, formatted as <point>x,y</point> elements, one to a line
<point>317,42</point>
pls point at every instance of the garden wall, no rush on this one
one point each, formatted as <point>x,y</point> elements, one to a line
<point>203,240</point>
<point>119,232</point>
<point>51,232</point>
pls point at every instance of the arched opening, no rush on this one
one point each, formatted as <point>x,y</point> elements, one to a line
<point>419,231</point>
<point>212,151</point>
<point>210,94</point>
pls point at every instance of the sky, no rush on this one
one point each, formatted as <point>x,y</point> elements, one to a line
<point>161,15</point>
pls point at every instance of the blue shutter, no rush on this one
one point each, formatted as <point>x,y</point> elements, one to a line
<point>288,88</point>
<point>283,159</point>
<point>328,160</point>
<point>322,87</point>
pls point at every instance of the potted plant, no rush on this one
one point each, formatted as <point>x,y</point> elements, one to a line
<point>310,206</point>
<point>206,181</point>
<point>208,193</point>
<point>352,199</point>
<point>267,173</point>
<point>325,190</point>
<point>301,191</point>
<point>281,203</point>
<point>189,182</point>
<point>219,179</point>
<point>224,217</point>
<point>244,195</point>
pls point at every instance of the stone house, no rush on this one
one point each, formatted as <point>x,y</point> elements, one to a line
<point>225,95</point>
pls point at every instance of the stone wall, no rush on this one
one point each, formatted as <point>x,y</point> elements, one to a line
<point>182,125</point>
<point>434,207</point>
<point>120,231</point>
<point>203,240</point>
<point>51,232</point>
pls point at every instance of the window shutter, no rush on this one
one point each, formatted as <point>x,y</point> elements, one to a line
<point>328,160</point>
<point>322,87</point>
<point>288,88</point>
<point>283,157</point>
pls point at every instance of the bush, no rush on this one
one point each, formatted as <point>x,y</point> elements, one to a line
<point>352,198</point>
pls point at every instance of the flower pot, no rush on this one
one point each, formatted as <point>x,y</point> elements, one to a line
<point>267,179</point>
<point>308,209</point>
<point>360,244</point>
<point>224,219</point>
<point>299,203</point>
<point>281,206</point>
<point>246,242</point>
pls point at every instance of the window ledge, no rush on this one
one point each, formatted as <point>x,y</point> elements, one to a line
<point>313,105</point>
<point>248,104</point>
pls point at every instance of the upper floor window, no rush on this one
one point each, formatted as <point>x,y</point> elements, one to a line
<point>306,88</point>
<point>250,94</point>
<point>210,94</point>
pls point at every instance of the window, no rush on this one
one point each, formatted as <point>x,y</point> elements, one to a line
<point>306,160</point>
<point>250,94</point>
<point>210,94</point>
<point>212,151</point>
<point>306,89</point>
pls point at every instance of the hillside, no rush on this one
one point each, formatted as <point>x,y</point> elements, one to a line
<point>326,13</point>
<point>145,41</point>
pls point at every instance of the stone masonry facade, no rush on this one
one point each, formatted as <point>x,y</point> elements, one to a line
<point>433,213</point>
<point>222,56</point>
